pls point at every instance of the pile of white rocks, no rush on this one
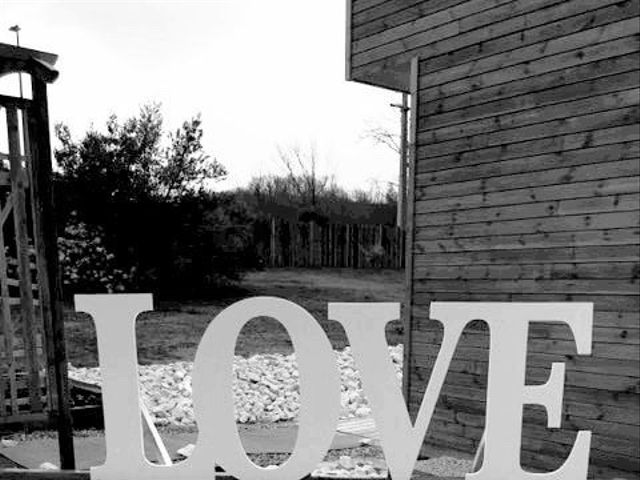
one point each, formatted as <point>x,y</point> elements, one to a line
<point>265,389</point>
<point>347,467</point>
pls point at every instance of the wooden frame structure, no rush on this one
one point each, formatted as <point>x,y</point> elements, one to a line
<point>33,367</point>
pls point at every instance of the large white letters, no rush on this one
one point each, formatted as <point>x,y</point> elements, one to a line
<point>506,390</point>
<point>218,438</point>
<point>114,317</point>
<point>365,326</point>
<point>319,389</point>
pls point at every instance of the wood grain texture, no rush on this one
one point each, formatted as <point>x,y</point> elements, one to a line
<point>410,235</point>
<point>618,236</point>
<point>604,12</point>
<point>526,209</point>
<point>546,129</point>
<point>606,95</point>
<point>386,36</point>
<point>533,192</point>
<point>579,165</point>
<point>576,82</point>
<point>626,132</point>
<point>50,278</point>
<point>527,189</point>
<point>613,40</point>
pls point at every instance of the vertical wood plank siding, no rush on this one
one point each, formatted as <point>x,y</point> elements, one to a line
<point>526,189</point>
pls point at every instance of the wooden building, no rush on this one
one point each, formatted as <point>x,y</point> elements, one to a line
<point>524,186</point>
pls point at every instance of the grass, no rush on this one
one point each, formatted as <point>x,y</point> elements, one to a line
<point>172,332</point>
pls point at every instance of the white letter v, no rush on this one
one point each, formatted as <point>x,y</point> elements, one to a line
<point>365,326</point>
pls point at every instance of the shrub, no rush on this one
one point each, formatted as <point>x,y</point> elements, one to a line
<point>86,264</point>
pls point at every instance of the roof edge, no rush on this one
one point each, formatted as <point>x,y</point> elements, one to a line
<point>21,53</point>
<point>34,62</point>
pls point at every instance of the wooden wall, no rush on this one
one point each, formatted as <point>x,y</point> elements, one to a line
<point>526,189</point>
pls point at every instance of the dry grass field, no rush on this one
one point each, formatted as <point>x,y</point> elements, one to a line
<point>172,332</point>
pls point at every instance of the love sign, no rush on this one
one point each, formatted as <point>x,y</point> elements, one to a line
<point>218,438</point>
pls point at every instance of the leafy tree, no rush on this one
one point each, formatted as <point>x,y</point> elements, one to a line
<point>147,193</point>
<point>186,168</point>
<point>128,163</point>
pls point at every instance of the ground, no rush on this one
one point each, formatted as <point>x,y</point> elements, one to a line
<point>172,332</point>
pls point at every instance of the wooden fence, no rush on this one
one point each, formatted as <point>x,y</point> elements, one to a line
<point>281,243</point>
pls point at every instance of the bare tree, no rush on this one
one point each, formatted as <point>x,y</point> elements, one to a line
<point>302,172</point>
<point>384,136</point>
<point>399,143</point>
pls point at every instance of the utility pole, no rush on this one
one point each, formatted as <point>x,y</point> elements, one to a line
<point>16,29</point>
<point>404,148</point>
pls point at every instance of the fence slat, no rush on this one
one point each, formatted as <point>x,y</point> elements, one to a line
<point>291,244</point>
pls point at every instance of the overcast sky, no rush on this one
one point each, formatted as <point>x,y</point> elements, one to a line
<point>262,73</point>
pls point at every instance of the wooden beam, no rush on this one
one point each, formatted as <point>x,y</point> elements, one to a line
<point>410,236</point>
<point>34,67</point>
<point>402,179</point>
<point>34,62</point>
<point>14,102</point>
<point>348,40</point>
<point>17,474</point>
<point>21,53</point>
<point>48,273</point>
<point>38,420</point>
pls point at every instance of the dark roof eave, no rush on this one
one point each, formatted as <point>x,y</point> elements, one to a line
<point>34,62</point>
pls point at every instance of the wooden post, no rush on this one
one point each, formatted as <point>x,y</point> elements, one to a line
<point>383,246</point>
<point>331,246</point>
<point>345,247</point>
<point>293,239</point>
<point>359,243</point>
<point>320,245</point>
<point>326,243</point>
<point>47,261</point>
<point>409,241</point>
<point>272,243</point>
<point>402,180</point>
<point>311,244</point>
<point>334,245</point>
<point>348,246</point>
<point>354,245</point>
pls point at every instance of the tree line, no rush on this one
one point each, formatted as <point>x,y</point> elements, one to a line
<point>136,209</point>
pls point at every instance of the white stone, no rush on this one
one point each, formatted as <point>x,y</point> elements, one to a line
<point>265,390</point>
<point>7,442</point>
<point>187,450</point>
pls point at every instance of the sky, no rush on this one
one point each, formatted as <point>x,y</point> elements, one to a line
<point>263,74</point>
